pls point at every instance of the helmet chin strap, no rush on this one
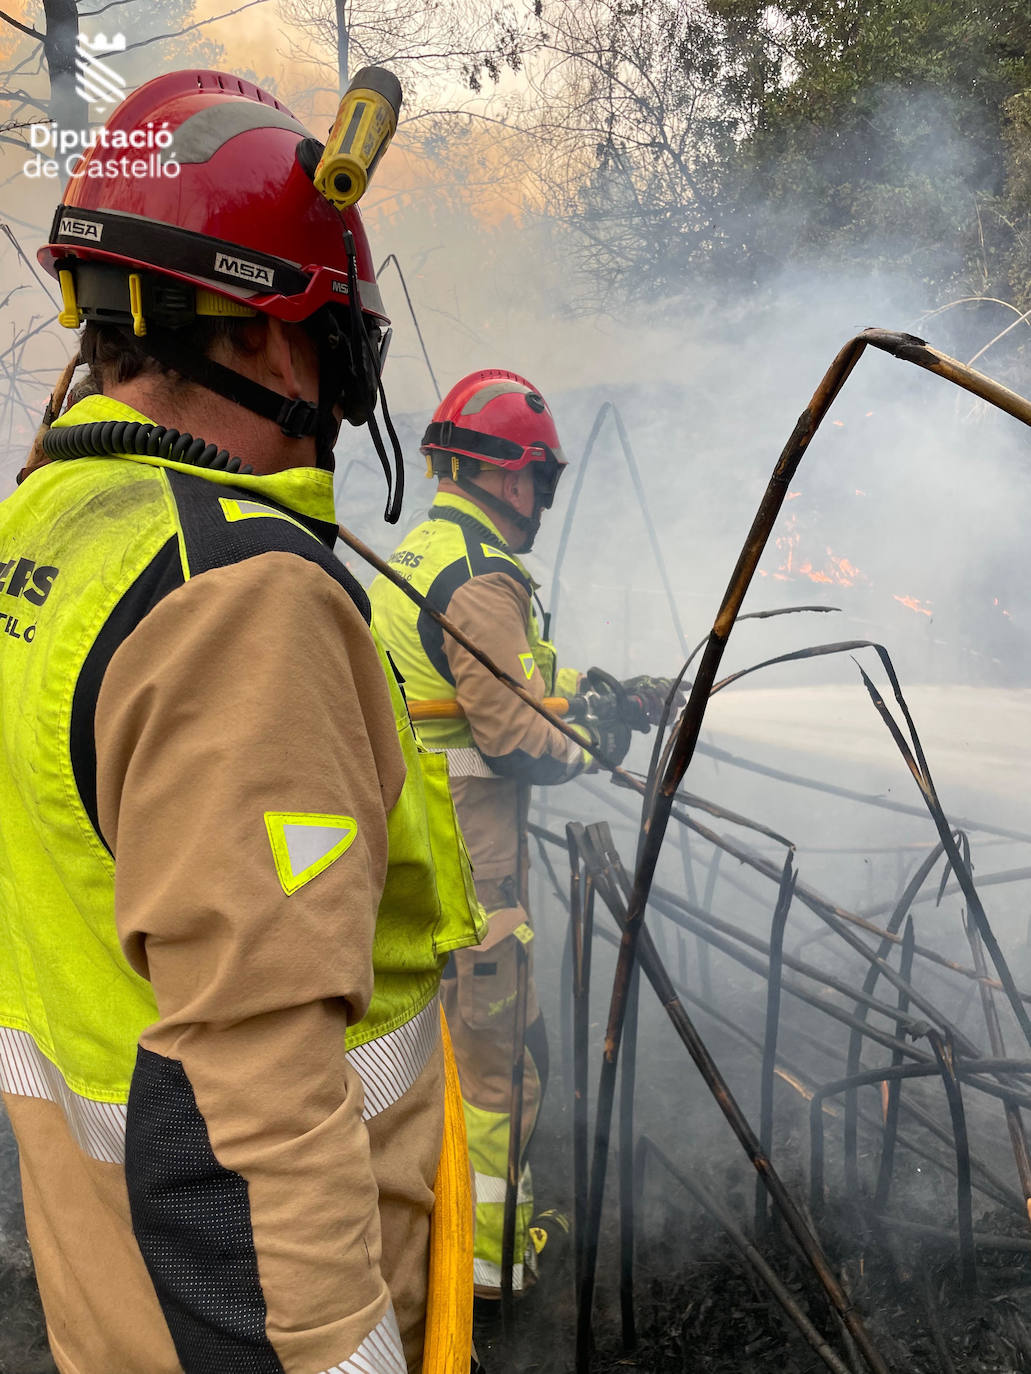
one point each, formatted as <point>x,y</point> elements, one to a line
<point>528,525</point>
<point>296,418</point>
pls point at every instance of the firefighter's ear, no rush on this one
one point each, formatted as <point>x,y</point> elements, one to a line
<point>512,486</point>
<point>289,358</point>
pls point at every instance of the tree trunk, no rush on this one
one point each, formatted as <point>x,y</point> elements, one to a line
<point>59,49</point>
<point>343,44</point>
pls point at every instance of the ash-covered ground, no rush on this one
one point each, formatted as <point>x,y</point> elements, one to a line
<point>698,1306</point>
<point>23,1347</point>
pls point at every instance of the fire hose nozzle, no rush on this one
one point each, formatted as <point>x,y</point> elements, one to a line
<point>364,125</point>
<point>606,706</point>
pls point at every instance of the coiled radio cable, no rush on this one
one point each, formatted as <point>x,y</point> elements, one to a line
<point>107,438</point>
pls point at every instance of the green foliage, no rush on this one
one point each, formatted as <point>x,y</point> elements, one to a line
<point>733,138</point>
<point>886,126</point>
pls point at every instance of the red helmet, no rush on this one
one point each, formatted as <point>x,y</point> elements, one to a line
<point>238,228</point>
<point>241,219</point>
<point>499,418</point>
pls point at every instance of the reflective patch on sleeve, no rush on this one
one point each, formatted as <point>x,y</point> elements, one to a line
<point>490,551</point>
<point>304,845</point>
<point>255,510</point>
<point>528,665</point>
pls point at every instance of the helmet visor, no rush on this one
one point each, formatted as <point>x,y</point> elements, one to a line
<point>546,469</point>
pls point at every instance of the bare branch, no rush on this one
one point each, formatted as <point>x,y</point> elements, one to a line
<point>187,28</point>
<point>90,14</point>
<point>22,28</point>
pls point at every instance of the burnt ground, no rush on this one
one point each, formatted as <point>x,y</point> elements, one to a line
<point>23,1348</point>
<point>699,1307</point>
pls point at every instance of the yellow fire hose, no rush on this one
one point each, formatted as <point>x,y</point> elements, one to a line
<point>450,710</point>
<point>447,1346</point>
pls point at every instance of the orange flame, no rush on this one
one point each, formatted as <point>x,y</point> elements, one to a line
<point>913,604</point>
<point>839,572</point>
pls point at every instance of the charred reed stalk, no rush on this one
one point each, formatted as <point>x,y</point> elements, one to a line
<point>676,910</point>
<point>626,1167</point>
<point>515,1136</point>
<point>870,982</point>
<point>988,1181</point>
<point>891,1110</point>
<point>583,927</point>
<point>965,1069</point>
<point>769,1061</point>
<point>918,767</point>
<point>706,1199</point>
<point>677,757</point>
<point>568,982</point>
<point>1014,1123</point>
<point>626,1119</point>
<point>701,948</point>
<point>945,1055</point>
<point>819,905</point>
<point>660,980</point>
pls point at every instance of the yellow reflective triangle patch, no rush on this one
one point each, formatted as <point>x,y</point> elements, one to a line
<point>255,510</point>
<point>528,665</point>
<point>304,845</point>
<point>489,551</point>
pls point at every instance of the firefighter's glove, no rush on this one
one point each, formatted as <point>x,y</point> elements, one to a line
<point>612,737</point>
<point>646,696</point>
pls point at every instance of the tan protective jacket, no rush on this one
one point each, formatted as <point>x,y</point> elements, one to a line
<point>225,710</point>
<point>459,559</point>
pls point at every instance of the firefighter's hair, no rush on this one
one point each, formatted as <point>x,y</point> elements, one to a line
<point>113,353</point>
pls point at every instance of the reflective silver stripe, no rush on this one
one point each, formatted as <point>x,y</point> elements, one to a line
<point>487,1275</point>
<point>381,1352</point>
<point>199,137</point>
<point>97,1127</point>
<point>574,751</point>
<point>467,763</point>
<point>390,1065</point>
<point>479,399</point>
<point>492,1190</point>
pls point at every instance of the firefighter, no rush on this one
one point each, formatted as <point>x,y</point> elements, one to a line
<point>227,881</point>
<point>494,449</point>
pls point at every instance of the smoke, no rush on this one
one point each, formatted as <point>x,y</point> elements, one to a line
<point>908,515</point>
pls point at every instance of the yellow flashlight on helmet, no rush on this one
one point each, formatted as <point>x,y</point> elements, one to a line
<point>363,128</point>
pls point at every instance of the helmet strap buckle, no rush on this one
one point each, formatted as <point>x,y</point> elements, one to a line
<point>297,418</point>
